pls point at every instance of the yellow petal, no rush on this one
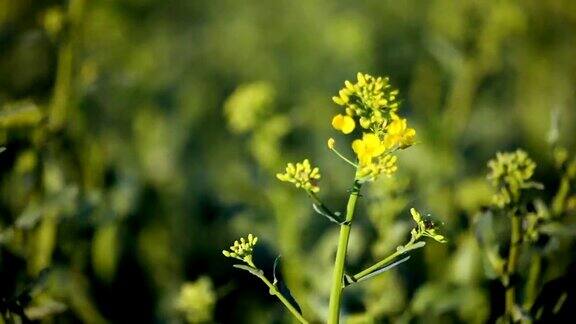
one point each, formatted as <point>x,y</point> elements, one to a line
<point>344,93</point>
<point>345,124</point>
<point>337,122</point>
<point>358,146</point>
<point>348,125</point>
<point>371,141</point>
<point>361,80</point>
<point>349,85</point>
<point>338,101</point>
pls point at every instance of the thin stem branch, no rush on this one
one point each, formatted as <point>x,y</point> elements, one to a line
<point>344,158</point>
<point>338,274</point>
<point>287,304</point>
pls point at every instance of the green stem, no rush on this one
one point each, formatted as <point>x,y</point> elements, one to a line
<point>338,274</point>
<point>64,69</point>
<point>277,293</point>
<point>533,280</point>
<point>515,240</point>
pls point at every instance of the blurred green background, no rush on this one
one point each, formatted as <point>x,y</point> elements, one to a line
<point>142,137</point>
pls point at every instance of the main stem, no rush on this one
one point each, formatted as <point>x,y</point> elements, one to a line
<point>338,275</point>
<point>515,240</point>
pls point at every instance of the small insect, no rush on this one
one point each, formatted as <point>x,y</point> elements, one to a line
<point>430,223</point>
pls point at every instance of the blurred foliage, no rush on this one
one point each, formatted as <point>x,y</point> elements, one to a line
<point>141,137</point>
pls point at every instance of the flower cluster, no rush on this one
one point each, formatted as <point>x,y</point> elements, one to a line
<point>302,175</point>
<point>242,250</point>
<point>372,103</point>
<point>425,227</point>
<point>371,100</point>
<point>509,174</point>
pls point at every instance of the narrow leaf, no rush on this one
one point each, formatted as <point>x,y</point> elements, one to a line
<point>257,272</point>
<point>281,286</point>
<point>275,269</point>
<point>384,269</point>
<point>333,217</point>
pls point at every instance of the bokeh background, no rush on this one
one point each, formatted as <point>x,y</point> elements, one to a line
<point>142,137</point>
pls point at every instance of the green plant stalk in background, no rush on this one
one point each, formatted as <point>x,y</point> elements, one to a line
<point>533,283</point>
<point>338,274</point>
<point>515,241</point>
<point>65,66</point>
<point>59,107</point>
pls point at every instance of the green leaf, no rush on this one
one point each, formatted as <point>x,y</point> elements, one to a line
<point>281,286</point>
<point>333,217</point>
<point>257,272</point>
<point>384,269</point>
<point>350,280</point>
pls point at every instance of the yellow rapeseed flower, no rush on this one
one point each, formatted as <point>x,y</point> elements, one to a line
<point>302,175</point>
<point>367,148</point>
<point>384,164</point>
<point>331,143</point>
<point>398,134</point>
<point>370,99</point>
<point>372,103</point>
<point>242,250</point>
<point>343,123</point>
<point>509,173</point>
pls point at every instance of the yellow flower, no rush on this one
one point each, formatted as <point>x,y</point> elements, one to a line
<point>302,175</point>
<point>343,123</point>
<point>367,148</point>
<point>510,172</point>
<point>399,134</point>
<point>242,250</point>
<point>384,164</point>
<point>331,143</point>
